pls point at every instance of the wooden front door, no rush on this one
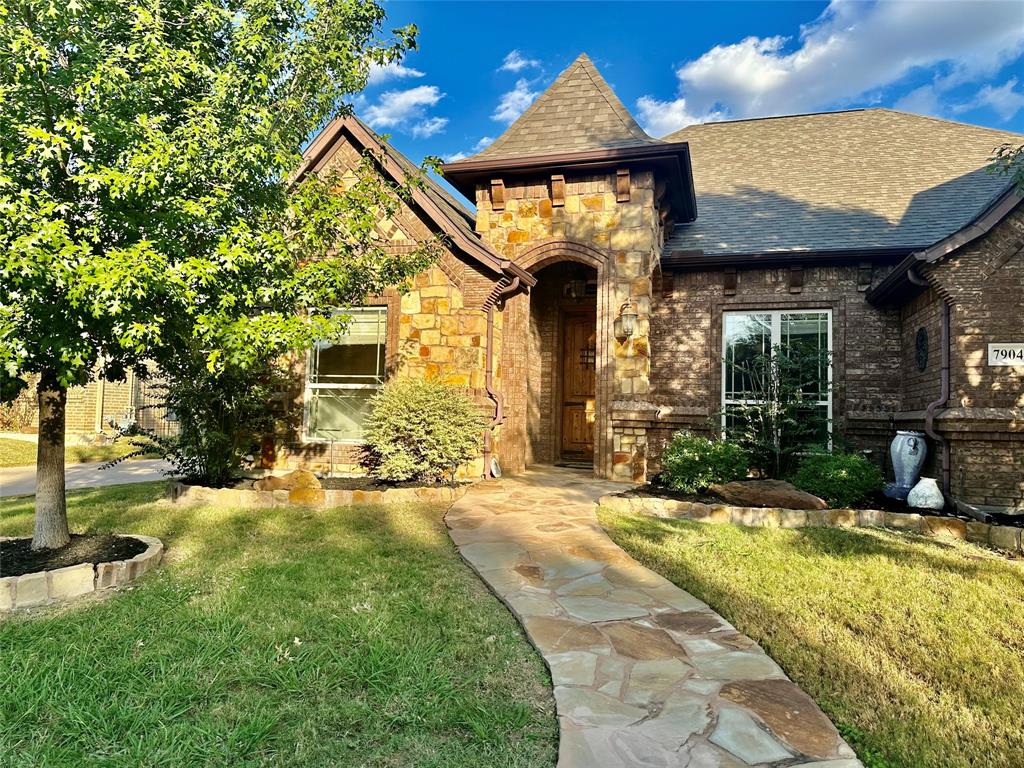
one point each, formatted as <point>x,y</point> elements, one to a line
<point>579,375</point>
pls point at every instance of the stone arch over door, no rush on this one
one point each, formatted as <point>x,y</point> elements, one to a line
<point>554,251</point>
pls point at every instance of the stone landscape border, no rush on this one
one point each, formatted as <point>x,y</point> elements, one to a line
<point>1002,537</point>
<point>245,498</point>
<point>42,587</point>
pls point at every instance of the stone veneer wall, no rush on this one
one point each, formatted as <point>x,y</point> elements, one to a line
<point>437,328</point>
<point>622,241</point>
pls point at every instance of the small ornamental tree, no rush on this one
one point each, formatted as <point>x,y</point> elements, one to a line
<point>780,419</point>
<point>145,213</point>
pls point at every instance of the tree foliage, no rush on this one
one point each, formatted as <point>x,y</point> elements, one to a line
<point>145,207</point>
<point>1008,160</point>
<point>779,420</point>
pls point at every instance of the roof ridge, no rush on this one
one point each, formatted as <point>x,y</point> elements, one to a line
<point>578,111</point>
<point>507,133</point>
<point>830,113</point>
<point>943,120</point>
<point>614,102</point>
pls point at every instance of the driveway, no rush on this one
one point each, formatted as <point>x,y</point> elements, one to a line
<point>21,481</point>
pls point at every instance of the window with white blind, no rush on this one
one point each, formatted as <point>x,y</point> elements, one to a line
<point>746,335</point>
<point>342,376</point>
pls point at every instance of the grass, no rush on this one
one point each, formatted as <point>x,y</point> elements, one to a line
<point>344,637</point>
<point>914,647</point>
<point>21,453</point>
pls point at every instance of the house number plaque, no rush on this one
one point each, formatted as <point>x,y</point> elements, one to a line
<point>1010,354</point>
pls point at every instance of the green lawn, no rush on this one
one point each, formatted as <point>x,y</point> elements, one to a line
<point>346,637</point>
<point>20,453</point>
<point>914,647</point>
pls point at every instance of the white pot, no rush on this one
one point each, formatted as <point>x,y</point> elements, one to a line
<point>926,495</point>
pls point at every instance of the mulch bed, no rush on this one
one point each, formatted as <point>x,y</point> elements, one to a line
<point>17,557</point>
<point>368,484</point>
<point>661,492</point>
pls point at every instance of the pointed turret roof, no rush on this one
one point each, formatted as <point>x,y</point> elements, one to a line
<point>577,113</point>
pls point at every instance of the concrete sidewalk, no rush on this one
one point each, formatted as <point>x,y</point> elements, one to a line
<point>21,481</point>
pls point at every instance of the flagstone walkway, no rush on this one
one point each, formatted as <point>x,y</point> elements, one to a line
<point>644,673</point>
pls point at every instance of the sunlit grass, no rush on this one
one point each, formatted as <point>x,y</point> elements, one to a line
<point>21,453</point>
<point>345,637</point>
<point>914,647</point>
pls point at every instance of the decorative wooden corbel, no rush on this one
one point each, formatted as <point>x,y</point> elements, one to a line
<point>558,190</point>
<point>729,281</point>
<point>622,185</point>
<point>796,278</point>
<point>497,195</point>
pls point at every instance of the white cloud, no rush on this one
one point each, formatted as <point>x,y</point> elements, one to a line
<point>1006,100</point>
<point>484,142</point>
<point>429,127</point>
<point>853,49</point>
<point>380,73</point>
<point>660,118</point>
<point>513,103</point>
<point>516,62</point>
<point>925,100</point>
<point>406,109</point>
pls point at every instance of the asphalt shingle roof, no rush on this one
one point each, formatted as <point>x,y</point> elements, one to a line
<point>872,178</point>
<point>578,112</point>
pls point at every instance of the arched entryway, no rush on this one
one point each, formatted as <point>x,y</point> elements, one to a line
<point>562,378</point>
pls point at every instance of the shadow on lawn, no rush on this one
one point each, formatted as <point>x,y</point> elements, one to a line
<point>839,543</point>
<point>867,669</point>
<point>320,636</point>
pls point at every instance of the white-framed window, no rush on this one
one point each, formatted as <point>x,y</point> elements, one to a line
<point>748,334</point>
<point>342,376</point>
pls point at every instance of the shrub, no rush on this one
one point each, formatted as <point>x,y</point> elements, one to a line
<point>421,430</point>
<point>841,479</point>
<point>691,463</point>
<point>221,418</point>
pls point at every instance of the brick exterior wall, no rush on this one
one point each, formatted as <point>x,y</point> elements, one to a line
<point>686,343</point>
<point>985,420</point>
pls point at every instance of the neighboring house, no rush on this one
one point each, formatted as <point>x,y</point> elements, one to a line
<point>874,234</point>
<point>101,407</point>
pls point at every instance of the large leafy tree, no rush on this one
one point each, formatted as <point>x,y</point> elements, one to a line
<point>145,212</point>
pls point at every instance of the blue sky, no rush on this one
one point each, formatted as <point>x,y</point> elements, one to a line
<point>481,63</point>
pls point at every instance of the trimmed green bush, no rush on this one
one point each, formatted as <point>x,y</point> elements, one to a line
<point>841,479</point>
<point>691,463</point>
<point>421,430</point>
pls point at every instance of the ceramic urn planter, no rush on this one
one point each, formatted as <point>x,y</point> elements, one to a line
<point>908,452</point>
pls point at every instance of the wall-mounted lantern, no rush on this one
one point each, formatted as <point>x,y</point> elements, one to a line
<point>625,323</point>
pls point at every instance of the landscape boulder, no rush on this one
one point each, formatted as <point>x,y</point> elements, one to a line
<point>295,480</point>
<point>766,493</point>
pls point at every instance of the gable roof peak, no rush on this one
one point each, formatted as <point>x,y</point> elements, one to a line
<point>578,112</point>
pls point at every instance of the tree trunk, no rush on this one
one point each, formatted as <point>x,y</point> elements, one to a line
<point>51,524</point>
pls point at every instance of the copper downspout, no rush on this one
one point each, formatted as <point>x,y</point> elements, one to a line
<point>499,407</point>
<point>943,398</point>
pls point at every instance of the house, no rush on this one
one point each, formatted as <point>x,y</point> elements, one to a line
<point>594,300</point>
